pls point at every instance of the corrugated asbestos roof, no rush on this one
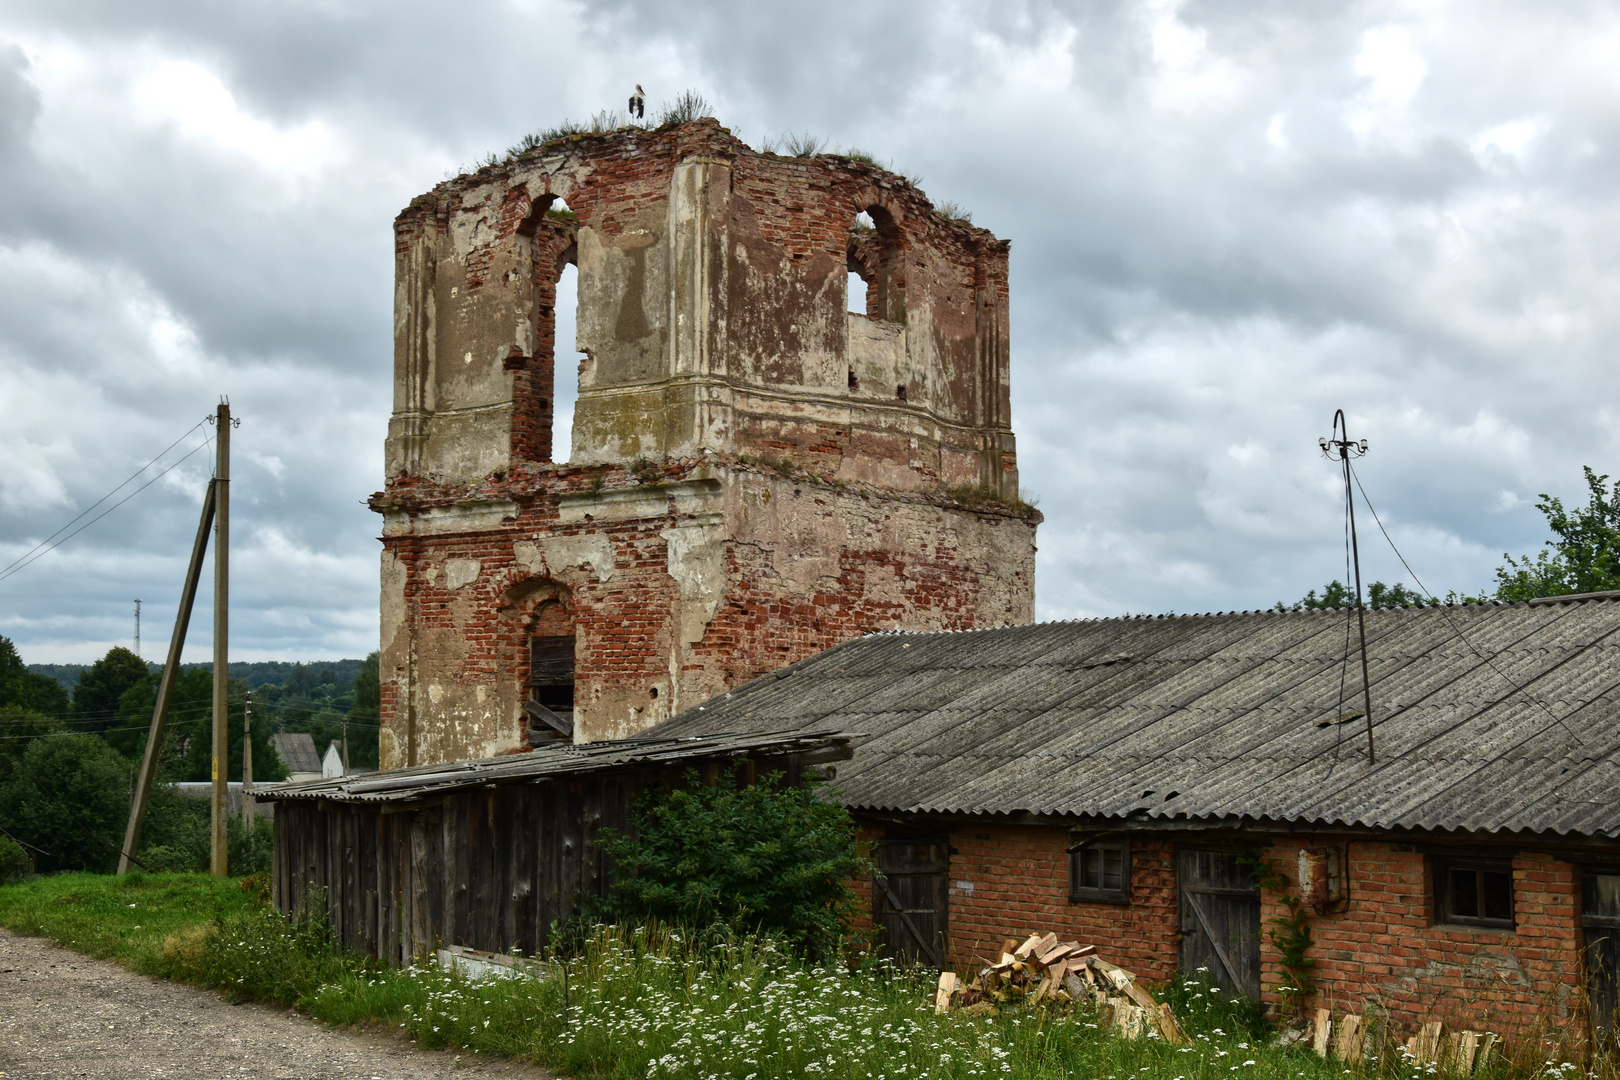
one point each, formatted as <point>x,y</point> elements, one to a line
<point>1226,716</point>
<point>549,762</point>
<point>296,749</point>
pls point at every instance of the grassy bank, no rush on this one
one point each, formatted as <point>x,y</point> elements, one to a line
<point>639,1003</point>
<point>125,919</point>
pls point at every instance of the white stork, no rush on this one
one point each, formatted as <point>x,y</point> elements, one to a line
<point>638,103</point>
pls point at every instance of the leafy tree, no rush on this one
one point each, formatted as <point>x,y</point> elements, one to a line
<point>68,797</point>
<point>19,686</point>
<point>189,752</point>
<point>1379,595</point>
<point>1584,554</point>
<point>18,728</point>
<point>365,719</point>
<point>95,700</point>
<point>766,855</point>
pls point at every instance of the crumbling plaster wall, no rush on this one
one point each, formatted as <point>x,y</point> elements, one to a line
<point>679,589</point>
<point>712,287</point>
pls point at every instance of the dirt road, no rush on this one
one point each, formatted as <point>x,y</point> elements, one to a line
<point>65,1016</point>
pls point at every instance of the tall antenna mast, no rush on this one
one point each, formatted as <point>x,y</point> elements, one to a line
<point>1342,448</point>
<point>137,628</point>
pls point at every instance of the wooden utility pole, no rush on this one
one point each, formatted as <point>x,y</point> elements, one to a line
<point>171,671</point>
<point>218,862</point>
<point>247,761</point>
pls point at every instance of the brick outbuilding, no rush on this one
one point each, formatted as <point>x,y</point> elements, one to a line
<point>1162,786</point>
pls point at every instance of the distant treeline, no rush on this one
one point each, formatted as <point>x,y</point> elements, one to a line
<point>295,676</point>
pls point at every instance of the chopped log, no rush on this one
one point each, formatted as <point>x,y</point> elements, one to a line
<point>1140,996</point>
<point>1485,1049</point>
<point>1119,977</point>
<point>1169,1030</point>
<point>1425,1045</point>
<point>1297,1030</point>
<point>947,989</point>
<point>1133,1021</point>
<point>1461,1046</point>
<point>1321,1029</point>
<point>1349,1039</point>
<point>1057,950</point>
<point>1034,942</point>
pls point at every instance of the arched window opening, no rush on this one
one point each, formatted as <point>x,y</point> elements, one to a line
<point>567,365</point>
<point>549,703</point>
<point>877,279</point>
<point>550,230</point>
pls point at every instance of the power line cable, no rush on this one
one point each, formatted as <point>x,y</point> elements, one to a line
<point>31,557</point>
<point>113,714</point>
<point>109,494</point>
<point>1455,629</point>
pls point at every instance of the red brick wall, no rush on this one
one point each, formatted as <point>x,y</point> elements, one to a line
<point>1383,953</point>
<point>1011,880</point>
<point>875,562</point>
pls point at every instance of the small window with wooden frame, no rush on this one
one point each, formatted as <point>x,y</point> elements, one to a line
<point>1100,872</point>
<point>1473,891</point>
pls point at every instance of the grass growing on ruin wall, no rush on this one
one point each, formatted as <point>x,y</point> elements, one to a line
<point>635,1003</point>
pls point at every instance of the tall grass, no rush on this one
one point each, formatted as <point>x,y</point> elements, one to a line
<point>637,1002</point>
<point>648,1002</point>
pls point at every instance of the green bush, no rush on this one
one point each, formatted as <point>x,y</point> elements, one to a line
<point>178,838</point>
<point>767,856</point>
<point>256,955</point>
<point>249,849</point>
<point>13,860</point>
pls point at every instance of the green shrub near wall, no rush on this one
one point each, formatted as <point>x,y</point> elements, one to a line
<point>768,856</point>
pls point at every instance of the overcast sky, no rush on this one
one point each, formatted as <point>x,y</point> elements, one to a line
<point>1227,220</point>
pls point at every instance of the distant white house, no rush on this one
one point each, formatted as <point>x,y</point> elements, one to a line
<point>332,762</point>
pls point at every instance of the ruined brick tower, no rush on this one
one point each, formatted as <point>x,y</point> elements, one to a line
<point>756,474</point>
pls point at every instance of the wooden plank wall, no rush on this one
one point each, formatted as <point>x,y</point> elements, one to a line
<point>489,869</point>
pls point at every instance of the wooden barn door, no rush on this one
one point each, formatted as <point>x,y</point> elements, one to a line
<point>911,899</point>
<point>1600,915</point>
<point>1220,920</point>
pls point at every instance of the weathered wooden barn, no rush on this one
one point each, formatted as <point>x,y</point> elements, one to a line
<point>1117,780</point>
<point>486,854</point>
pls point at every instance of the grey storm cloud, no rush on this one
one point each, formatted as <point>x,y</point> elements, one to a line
<point>1227,220</point>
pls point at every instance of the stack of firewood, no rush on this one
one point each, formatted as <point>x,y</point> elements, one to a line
<point>1458,1053</point>
<point>1044,970</point>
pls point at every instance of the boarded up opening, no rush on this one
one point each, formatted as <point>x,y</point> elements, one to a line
<point>551,688</point>
<point>911,898</point>
<point>1220,921</point>
<point>1600,916</point>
